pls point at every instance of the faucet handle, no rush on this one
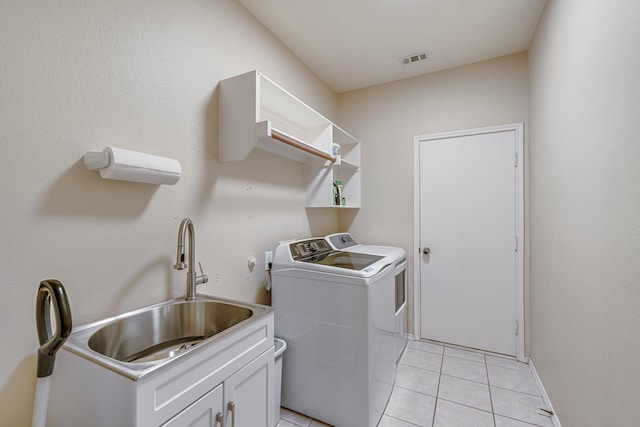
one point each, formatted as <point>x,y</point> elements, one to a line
<point>203,278</point>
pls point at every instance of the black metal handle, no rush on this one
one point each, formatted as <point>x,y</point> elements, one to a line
<point>51,292</point>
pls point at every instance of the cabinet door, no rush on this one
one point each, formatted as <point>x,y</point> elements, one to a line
<point>202,413</point>
<point>249,394</point>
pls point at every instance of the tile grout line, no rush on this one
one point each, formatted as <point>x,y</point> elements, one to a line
<point>399,419</point>
<point>419,367</point>
<point>495,365</point>
<point>518,391</point>
<point>426,351</point>
<point>463,378</point>
<point>520,421</point>
<point>435,405</point>
<point>493,413</point>
<point>483,353</point>
<point>417,391</point>
<point>466,405</point>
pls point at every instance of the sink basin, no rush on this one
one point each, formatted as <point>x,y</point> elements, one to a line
<point>138,343</point>
<point>165,331</point>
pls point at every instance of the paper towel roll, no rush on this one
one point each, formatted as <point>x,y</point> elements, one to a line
<point>126,165</point>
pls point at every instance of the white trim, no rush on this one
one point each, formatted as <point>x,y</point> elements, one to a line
<point>417,322</point>
<point>545,397</point>
<point>518,128</point>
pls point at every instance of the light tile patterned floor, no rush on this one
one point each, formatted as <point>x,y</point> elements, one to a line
<point>438,386</point>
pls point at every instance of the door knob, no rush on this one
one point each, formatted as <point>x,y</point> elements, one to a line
<point>426,251</point>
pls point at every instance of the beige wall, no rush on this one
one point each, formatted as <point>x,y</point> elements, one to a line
<point>77,76</point>
<point>387,117</point>
<point>585,210</point>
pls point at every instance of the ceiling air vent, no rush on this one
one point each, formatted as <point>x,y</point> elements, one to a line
<point>415,57</point>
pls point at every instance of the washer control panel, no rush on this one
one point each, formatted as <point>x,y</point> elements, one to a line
<point>342,240</point>
<point>307,248</point>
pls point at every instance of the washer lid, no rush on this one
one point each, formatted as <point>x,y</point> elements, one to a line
<point>344,263</point>
<point>318,255</point>
<point>340,259</point>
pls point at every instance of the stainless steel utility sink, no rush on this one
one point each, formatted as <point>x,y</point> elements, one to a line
<point>139,342</point>
<point>165,331</point>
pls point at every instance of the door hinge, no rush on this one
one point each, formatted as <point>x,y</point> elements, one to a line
<point>516,243</point>
<point>517,328</point>
<point>515,160</point>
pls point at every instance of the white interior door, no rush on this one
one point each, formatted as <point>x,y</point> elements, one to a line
<point>469,219</point>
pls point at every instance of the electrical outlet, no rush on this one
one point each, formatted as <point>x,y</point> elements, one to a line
<point>268,259</point>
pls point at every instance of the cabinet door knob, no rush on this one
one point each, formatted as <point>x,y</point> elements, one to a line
<point>426,251</point>
<point>220,419</point>
<point>232,408</point>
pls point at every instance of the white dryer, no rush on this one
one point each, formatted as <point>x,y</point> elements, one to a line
<point>395,255</point>
<point>335,310</point>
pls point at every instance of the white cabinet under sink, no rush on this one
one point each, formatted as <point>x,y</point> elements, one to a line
<point>205,412</point>
<point>235,371</point>
<point>247,389</point>
<point>244,395</point>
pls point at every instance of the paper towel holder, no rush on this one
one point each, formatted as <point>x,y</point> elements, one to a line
<point>127,165</point>
<point>96,160</point>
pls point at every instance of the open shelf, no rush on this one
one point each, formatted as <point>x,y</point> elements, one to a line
<point>255,112</point>
<point>286,145</point>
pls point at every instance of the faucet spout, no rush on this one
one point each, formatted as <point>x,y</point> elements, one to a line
<point>186,228</point>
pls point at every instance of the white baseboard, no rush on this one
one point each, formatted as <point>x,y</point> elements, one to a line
<point>545,396</point>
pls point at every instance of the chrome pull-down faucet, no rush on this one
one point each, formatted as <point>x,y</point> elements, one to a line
<point>186,227</point>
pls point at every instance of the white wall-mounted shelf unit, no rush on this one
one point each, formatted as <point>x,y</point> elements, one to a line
<point>255,112</point>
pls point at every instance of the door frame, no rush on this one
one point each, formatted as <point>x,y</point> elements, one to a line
<point>518,128</point>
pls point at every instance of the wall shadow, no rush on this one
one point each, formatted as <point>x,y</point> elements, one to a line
<point>164,263</point>
<point>210,156</point>
<point>85,193</point>
<point>259,166</point>
<point>346,218</point>
<point>17,395</point>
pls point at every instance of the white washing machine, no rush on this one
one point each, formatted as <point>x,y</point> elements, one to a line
<point>398,256</point>
<point>335,310</point>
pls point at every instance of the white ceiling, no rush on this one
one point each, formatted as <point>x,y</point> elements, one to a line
<point>351,44</point>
